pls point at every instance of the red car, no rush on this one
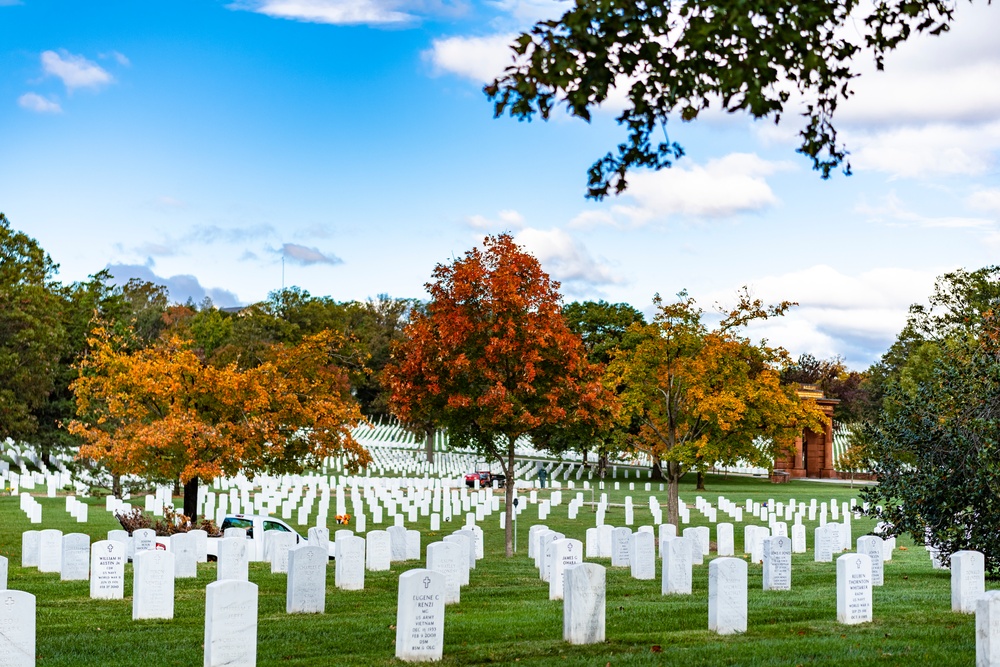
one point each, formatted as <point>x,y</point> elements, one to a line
<point>486,479</point>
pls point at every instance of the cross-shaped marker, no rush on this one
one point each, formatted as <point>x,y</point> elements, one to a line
<point>427,582</point>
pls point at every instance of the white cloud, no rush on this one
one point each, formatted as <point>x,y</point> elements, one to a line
<point>118,57</point>
<point>336,12</point>
<point>929,151</point>
<point>481,59</point>
<point>725,187</point>
<point>933,79</point>
<point>37,103</point>
<point>857,316</point>
<point>565,259</point>
<point>74,71</point>
<point>892,211</point>
<point>506,221</point>
<point>987,199</point>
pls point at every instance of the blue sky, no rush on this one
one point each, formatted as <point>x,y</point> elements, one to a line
<point>200,142</point>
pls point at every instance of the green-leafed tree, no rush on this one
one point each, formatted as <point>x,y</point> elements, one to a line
<point>32,336</point>
<point>674,60</point>
<point>934,445</point>
<point>604,329</point>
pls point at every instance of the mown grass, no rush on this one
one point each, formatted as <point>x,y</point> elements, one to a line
<point>505,616</point>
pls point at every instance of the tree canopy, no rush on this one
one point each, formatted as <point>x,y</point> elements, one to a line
<point>674,60</point>
<point>32,335</point>
<point>491,358</point>
<point>934,443</point>
<point>162,412</point>
<point>707,396</point>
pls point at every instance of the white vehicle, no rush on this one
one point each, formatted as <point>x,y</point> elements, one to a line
<point>256,526</point>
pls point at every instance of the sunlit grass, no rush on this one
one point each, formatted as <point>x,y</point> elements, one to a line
<point>505,616</point>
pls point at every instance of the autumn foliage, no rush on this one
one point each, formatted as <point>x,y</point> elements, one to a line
<point>491,358</point>
<point>162,412</point>
<point>704,396</point>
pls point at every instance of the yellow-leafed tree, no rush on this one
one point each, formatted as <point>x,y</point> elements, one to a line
<point>703,396</point>
<point>163,412</point>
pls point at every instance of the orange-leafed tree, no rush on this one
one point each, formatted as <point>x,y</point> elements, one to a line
<point>491,358</point>
<point>163,412</point>
<point>707,396</point>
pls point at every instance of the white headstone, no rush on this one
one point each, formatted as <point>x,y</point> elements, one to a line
<point>448,559</point>
<point>777,564</point>
<point>592,546</point>
<point>872,545</point>
<point>200,538</point>
<point>988,630</point>
<point>233,559</point>
<point>727,595</point>
<point>823,543</point>
<point>420,616</point>
<point>413,545</point>
<point>50,550</point>
<point>621,539</point>
<point>4,566</point>
<point>17,619</point>
<point>378,551</point>
<point>465,546</point>
<point>533,534</point>
<point>281,542</point>
<point>305,591</point>
<point>798,539</point>
<point>968,580</point>
<point>29,548</point>
<point>854,589</point>
<point>144,539</point>
<point>471,535</point>
<point>350,563</point>
<point>231,624</point>
<point>697,553</point>
<point>153,585</point>
<point>677,566</point>
<point>184,546</point>
<point>75,557</point>
<point>665,530</point>
<point>642,554</point>
<point>564,553</point>
<point>397,543</point>
<point>604,540</point>
<point>107,570</point>
<point>725,541</point>
<point>584,604</point>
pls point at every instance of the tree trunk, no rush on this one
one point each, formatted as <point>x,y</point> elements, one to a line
<point>191,500</point>
<point>429,444</point>
<point>585,464</point>
<point>673,493</point>
<point>602,465</point>
<point>701,481</point>
<point>657,468</point>
<point>177,488</point>
<point>508,471</point>
<point>116,486</point>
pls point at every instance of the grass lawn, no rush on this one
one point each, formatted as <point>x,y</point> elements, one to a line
<point>505,616</point>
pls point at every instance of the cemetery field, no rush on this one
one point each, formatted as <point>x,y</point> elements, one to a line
<point>505,616</point>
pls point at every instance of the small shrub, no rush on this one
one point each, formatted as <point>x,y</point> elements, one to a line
<point>173,522</point>
<point>133,520</point>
